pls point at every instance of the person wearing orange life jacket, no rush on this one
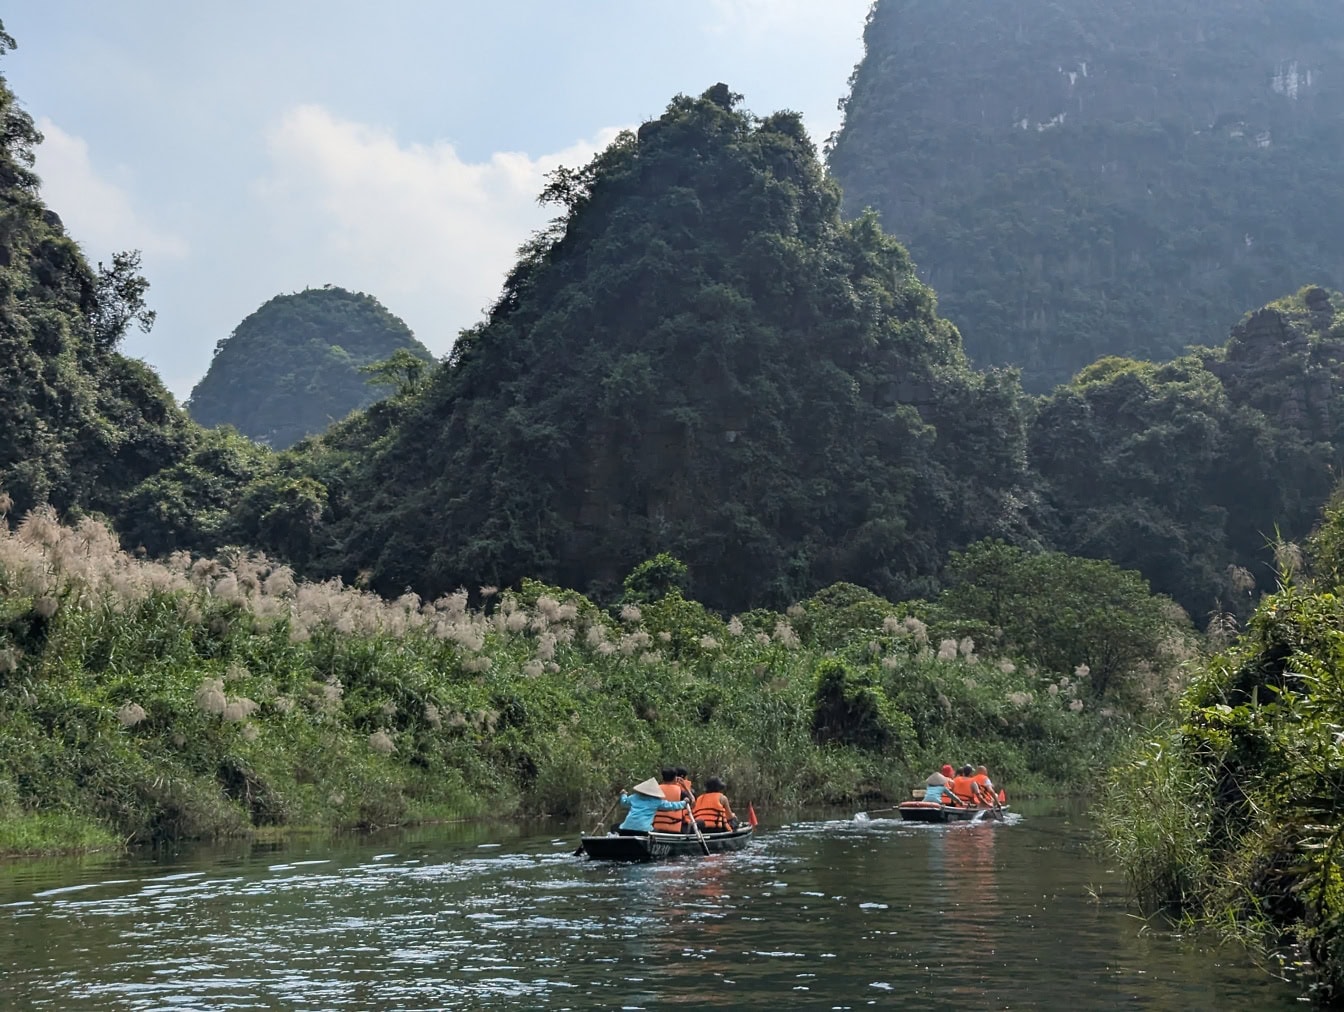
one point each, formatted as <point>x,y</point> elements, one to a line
<point>684,778</point>
<point>711,810</point>
<point>965,789</point>
<point>981,777</point>
<point>673,821</point>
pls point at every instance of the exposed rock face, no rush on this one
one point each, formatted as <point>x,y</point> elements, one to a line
<point>1093,178</point>
<point>1287,360</point>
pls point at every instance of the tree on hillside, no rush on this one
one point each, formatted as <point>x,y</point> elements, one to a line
<point>1067,614</point>
<point>699,357</point>
<point>121,292</point>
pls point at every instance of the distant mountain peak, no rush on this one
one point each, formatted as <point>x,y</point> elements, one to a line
<point>293,367</point>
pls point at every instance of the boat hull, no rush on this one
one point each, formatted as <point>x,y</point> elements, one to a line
<point>932,811</point>
<point>661,846</point>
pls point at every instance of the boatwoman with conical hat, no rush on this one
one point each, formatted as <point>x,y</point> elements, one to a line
<point>645,802</point>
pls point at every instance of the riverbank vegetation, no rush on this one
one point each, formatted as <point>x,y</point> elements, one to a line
<point>202,697</point>
<point>1234,817</point>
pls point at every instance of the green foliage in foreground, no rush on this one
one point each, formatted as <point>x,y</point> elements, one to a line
<point>209,697</point>
<point>1235,816</point>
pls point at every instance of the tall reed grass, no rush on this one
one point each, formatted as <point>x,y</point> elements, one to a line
<point>195,697</point>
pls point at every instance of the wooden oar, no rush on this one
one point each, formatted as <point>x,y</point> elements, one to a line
<point>602,822</point>
<point>998,805</point>
<point>995,810</point>
<point>867,814</point>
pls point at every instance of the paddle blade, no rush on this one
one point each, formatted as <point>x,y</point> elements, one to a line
<point>751,815</point>
<point>1003,798</point>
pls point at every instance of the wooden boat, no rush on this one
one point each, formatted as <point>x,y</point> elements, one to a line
<point>932,811</point>
<point>660,846</point>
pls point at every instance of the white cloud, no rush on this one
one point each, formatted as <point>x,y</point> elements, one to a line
<point>96,211</point>
<point>429,233</point>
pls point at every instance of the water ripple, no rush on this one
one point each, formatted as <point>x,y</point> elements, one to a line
<point>964,916</point>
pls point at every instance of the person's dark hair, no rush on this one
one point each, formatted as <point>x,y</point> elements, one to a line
<point>967,770</point>
<point>714,786</point>
<point>682,771</point>
<point>668,774</point>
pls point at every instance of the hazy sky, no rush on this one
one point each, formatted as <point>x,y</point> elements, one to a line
<point>263,146</point>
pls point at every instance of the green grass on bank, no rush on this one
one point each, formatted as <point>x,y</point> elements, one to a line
<point>26,833</point>
<point>1233,816</point>
<point>205,698</point>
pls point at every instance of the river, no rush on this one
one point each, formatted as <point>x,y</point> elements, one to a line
<point>817,913</point>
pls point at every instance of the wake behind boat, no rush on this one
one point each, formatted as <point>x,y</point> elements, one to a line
<point>662,846</point>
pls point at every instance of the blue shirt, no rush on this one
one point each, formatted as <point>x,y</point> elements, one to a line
<point>934,792</point>
<point>643,809</point>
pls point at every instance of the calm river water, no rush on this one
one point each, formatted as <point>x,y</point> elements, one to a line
<point>818,913</point>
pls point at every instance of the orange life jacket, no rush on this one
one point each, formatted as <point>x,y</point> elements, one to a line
<point>686,786</point>
<point>983,780</point>
<point>964,789</point>
<point>671,821</point>
<point>712,811</point>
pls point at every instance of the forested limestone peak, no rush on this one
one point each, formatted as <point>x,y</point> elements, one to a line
<point>698,356</point>
<point>1189,470</point>
<point>1094,178</point>
<point>80,425</point>
<point>294,366</point>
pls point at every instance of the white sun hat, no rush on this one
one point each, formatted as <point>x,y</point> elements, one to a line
<point>649,788</point>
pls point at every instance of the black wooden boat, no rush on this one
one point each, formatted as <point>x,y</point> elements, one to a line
<point>932,811</point>
<point>660,846</point>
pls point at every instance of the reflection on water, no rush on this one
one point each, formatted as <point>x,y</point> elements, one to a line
<point>831,914</point>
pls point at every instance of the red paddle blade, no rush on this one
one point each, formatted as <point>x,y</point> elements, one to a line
<point>1003,798</point>
<point>751,815</point>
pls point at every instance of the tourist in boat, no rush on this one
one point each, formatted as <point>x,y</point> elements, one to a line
<point>711,811</point>
<point>684,778</point>
<point>645,802</point>
<point>666,821</point>
<point>937,787</point>
<point>966,790</point>
<point>986,785</point>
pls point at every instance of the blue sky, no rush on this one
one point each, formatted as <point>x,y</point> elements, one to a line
<point>253,148</point>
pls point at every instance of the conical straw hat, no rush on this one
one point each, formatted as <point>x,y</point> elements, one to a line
<point>649,788</point>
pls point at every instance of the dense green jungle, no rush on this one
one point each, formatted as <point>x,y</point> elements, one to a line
<point>714,482</point>
<point>1098,177</point>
